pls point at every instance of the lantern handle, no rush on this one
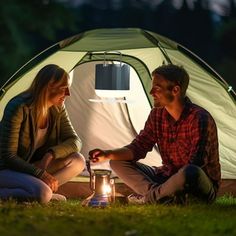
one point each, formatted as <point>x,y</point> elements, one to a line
<point>90,174</point>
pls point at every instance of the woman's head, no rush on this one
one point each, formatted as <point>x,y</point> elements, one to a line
<point>49,87</point>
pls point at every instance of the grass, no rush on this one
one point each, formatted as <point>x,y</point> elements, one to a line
<point>70,218</point>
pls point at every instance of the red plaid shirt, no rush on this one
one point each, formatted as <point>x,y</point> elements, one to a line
<point>190,140</point>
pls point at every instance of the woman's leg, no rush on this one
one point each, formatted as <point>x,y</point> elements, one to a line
<point>64,169</point>
<point>23,187</point>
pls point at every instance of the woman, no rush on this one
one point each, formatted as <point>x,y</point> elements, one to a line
<point>39,149</point>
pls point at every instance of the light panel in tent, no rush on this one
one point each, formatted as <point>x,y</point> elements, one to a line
<point>112,80</point>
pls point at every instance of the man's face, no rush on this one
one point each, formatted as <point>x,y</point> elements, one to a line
<point>161,92</point>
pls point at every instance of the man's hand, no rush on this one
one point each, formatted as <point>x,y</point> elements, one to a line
<point>119,154</point>
<point>50,180</point>
<point>98,155</point>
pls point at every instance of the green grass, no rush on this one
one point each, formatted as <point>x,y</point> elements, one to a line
<point>70,218</point>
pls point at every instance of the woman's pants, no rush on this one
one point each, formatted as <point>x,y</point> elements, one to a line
<point>25,187</point>
<point>155,187</point>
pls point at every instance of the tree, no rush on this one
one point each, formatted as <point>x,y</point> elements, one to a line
<point>27,27</point>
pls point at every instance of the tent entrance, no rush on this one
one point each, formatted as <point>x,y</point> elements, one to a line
<point>106,125</point>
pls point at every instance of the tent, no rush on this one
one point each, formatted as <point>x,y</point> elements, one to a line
<point>114,122</point>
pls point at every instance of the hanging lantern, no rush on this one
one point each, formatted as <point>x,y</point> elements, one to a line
<point>112,80</point>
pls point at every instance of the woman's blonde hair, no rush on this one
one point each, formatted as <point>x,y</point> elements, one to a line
<point>40,88</point>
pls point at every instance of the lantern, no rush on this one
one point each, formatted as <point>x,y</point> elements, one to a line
<point>103,187</point>
<point>112,80</point>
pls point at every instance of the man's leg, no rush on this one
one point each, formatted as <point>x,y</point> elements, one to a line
<point>64,169</point>
<point>23,187</point>
<point>144,181</point>
<point>137,176</point>
<point>198,184</point>
<point>189,179</point>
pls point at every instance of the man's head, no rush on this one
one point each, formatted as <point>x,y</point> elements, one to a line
<point>169,81</point>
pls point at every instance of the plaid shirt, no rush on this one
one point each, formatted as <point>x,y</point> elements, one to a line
<point>190,140</point>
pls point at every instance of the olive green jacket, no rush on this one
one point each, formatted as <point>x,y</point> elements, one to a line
<point>18,133</point>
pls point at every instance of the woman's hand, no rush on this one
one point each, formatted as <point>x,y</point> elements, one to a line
<point>45,161</point>
<point>50,180</point>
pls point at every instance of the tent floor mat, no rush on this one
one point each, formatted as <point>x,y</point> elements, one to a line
<point>79,187</point>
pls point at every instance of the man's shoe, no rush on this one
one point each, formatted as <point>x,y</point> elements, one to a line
<point>136,199</point>
<point>58,197</point>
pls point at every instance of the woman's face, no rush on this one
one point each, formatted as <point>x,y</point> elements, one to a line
<point>58,92</point>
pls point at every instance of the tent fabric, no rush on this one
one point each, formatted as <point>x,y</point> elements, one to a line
<point>110,125</point>
<point>121,39</point>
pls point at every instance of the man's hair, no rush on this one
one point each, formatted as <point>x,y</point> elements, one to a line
<point>177,75</point>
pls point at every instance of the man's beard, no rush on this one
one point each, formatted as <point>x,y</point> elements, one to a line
<point>158,104</point>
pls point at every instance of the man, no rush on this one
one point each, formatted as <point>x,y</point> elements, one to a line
<point>186,136</point>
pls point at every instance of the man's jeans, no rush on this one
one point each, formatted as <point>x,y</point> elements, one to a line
<point>155,187</point>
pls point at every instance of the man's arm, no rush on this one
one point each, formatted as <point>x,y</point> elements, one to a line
<point>122,154</point>
<point>204,140</point>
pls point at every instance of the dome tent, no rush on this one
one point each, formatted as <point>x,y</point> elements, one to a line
<point>115,122</point>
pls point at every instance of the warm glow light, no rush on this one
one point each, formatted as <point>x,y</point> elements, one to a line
<point>106,189</point>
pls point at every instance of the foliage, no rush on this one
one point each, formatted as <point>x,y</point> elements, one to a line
<point>27,27</point>
<point>225,61</point>
<point>227,37</point>
<point>70,218</point>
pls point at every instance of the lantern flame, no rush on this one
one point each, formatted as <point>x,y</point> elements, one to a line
<point>106,189</point>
